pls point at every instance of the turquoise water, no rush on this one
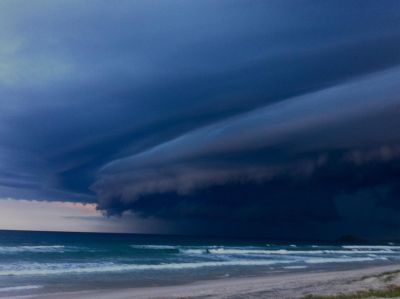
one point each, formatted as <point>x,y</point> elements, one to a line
<point>38,262</point>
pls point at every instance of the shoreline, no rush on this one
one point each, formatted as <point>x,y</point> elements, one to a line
<point>282,285</point>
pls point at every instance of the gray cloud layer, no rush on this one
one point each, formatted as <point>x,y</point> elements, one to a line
<point>285,134</point>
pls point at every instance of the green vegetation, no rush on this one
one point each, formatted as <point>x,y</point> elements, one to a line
<point>385,276</point>
<point>390,292</point>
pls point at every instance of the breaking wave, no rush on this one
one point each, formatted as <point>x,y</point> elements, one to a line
<point>38,248</point>
<point>77,268</point>
<point>53,269</point>
<point>200,250</point>
<point>20,288</point>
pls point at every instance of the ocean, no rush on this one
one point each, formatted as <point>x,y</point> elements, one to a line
<point>47,262</point>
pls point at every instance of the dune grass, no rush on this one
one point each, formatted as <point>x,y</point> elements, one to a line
<point>390,292</point>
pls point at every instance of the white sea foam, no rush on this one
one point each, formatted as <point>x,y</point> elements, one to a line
<point>20,288</point>
<point>39,248</point>
<point>66,268</point>
<point>199,250</point>
<point>295,267</point>
<point>54,269</point>
<point>156,247</point>
<point>371,247</point>
<point>194,251</point>
<point>233,251</point>
<point>317,260</point>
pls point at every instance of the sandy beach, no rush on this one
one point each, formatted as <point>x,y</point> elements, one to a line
<point>293,285</point>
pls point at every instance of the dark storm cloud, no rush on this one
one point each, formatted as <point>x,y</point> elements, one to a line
<point>278,165</point>
<point>258,144</point>
<point>175,109</point>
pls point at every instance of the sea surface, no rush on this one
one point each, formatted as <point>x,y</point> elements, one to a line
<point>47,262</point>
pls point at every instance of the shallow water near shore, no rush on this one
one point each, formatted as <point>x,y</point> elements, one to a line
<point>46,262</point>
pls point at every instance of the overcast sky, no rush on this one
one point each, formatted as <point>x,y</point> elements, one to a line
<point>273,118</point>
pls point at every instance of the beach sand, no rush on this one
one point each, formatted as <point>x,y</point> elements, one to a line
<point>293,285</point>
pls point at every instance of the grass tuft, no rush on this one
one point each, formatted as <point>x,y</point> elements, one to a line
<point>390,292</point>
